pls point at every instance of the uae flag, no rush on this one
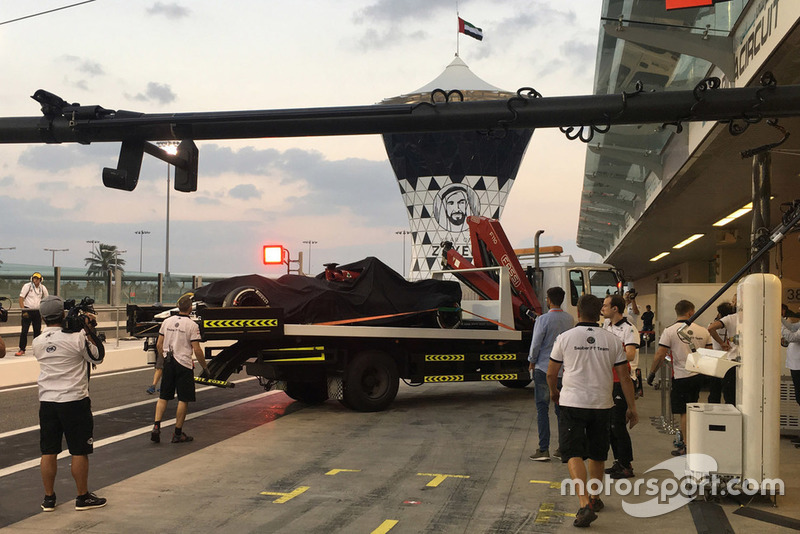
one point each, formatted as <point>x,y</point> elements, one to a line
<point>468,29</point>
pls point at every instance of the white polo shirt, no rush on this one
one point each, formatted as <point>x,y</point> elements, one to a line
<point>791,333</point>
<point>629,336</point>
<point>63,360</point>
<point>680,349</point>
<point>32,296</point>
<point>588,354</point>
<point>179,331</point>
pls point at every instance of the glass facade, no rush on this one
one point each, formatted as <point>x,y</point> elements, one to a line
<point>623,166</point>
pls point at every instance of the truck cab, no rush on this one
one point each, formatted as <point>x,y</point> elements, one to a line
<point>575,278</point>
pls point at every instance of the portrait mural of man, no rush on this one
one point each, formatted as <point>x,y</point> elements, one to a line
<point>453,205</point>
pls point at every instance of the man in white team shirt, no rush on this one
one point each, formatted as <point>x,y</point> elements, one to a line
<point>616,323</point>
<point>685,385</point>
<point>588,355</point>
<point>178,341</point>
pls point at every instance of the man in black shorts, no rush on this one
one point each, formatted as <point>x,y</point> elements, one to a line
<point>686,385</point>
<point>588,354</point>
<point>65,409</point>
<point>178,341</point>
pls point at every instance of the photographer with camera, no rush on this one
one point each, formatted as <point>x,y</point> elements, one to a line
<point>178,341</point>
<point>31,294</point>
<point>65,357</point>
<point>632,310</point>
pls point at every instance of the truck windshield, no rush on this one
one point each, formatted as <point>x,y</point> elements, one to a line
<point>603,283</point>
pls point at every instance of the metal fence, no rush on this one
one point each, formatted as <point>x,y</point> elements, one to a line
<point>115,288</point>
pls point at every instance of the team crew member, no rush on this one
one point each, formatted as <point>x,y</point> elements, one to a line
<point>545,331</point>
<point>588,355</point>
<point>617,324</point>
<point>726,385</point>
<point>64,405</point>
<point>790,332</point>
<point>30,296</point>
<point>685,385</point>
<point>180,335</point>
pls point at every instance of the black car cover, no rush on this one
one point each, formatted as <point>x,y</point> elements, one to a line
<point>377,291</point>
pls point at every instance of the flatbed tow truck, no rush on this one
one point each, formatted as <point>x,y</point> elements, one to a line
<point>482,340</point>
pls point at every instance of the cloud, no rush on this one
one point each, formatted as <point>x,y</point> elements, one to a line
<point>245,192</point>
<point>159,92</point>
<point>92,68</point>
<point>61,158</point>
<point>394,11</point>
<point>173,11</point>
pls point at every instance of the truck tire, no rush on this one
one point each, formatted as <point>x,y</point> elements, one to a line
<point>307,392</point>
<point>516,384</point>
<point>371,380</point>
<point>245,296</point>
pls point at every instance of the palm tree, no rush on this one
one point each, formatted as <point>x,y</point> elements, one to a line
<point>104,258</point>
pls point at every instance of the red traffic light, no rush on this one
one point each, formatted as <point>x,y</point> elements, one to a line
<point>275,254</point>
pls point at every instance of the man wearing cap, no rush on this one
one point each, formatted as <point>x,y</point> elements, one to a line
<point>65,410</point>
<point>178,341</point>
<point>30,296</point>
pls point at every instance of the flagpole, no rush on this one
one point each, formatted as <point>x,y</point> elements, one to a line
<point>458,26</point>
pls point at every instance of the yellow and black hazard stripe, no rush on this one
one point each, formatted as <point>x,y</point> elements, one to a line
<point>444,357</point>
<point>500,376</point>
<point>497,357</point>
<point>445,378</point>
<point>239,323</point>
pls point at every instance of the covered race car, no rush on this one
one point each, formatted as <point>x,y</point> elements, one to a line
<point>372,291</point>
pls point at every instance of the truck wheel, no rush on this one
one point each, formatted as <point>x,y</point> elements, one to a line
<point>245,296</point>
<point>516,384</point>
<point>307,392</point>
<point>371,380</point>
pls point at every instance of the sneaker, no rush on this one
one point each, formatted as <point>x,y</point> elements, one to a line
<point>679,452</point>
<point>151,390</point>
<point>20,353</point>
<point>89,502</point>
<point>183,438</point>
<point>623,472</point>
<point>614,468</point>
<point>540,455</point>
<point>49,503</point>
<point>584,517</point>
<point>596,504</point>
<point>557,454</point>
<point>155,435</point>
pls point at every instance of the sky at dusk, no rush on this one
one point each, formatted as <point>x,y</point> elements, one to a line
<point>158,57</point>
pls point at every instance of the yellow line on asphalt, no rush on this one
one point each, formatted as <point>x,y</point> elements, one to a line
<point>337,471</point>
<point>386,526</point>
<point>285,497</point>
<point>438,478</point>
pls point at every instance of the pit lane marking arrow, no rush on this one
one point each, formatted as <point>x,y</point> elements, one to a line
<point>285,497</point>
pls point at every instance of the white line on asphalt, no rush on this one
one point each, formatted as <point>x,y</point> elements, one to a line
<point>117,408</point>
<point>94,376</point>
<point>143,430</point>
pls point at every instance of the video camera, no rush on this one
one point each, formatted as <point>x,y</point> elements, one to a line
<point>75,320</point>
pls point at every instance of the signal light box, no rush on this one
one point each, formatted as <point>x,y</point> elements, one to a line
<point>274,254</point>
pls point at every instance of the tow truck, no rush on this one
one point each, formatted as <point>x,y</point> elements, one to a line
<point>358,363</point>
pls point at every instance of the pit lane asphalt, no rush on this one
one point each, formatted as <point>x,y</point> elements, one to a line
<point>442,458</point>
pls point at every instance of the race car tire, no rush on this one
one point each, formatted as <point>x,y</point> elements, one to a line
<point>516,384</point>
<point>245,296</point>
<point>307,392</point>
<point>370,382</point>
